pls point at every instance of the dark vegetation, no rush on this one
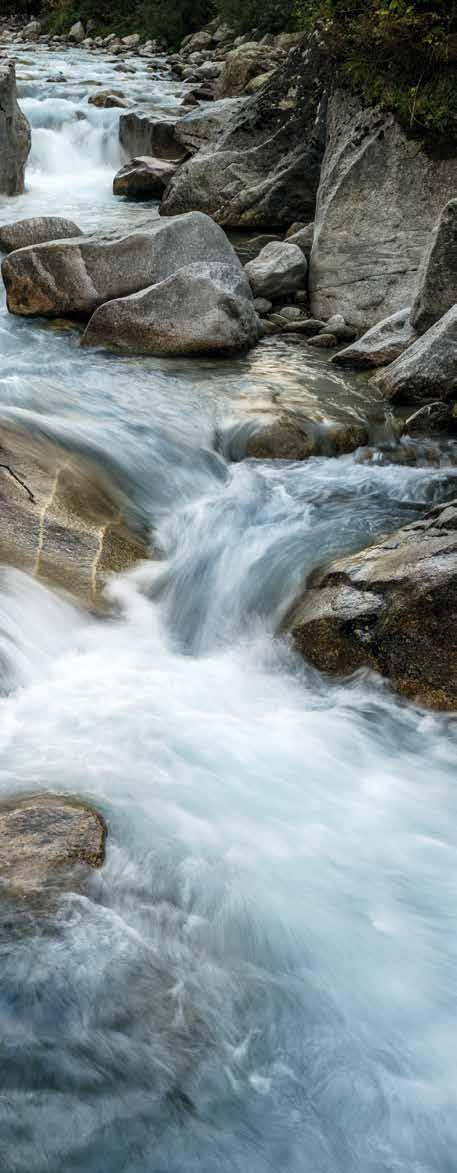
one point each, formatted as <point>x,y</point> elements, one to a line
<point>401,54</point>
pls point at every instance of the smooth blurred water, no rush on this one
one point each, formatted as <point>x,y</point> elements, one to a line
<point>262,976</point>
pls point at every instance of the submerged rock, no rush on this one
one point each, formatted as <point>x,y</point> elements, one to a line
<point>144,178</point>
<point>63,519</point>
<point>37,230</point>
<point>437,282</point>
<point>201,308</point>
<point>43,839</point>
<point>371,226</point>
<point>279,268</point>
<point>76,276</point>
<point>15,138</point>
<point>428,369</point>
<point>390,607</point>
<point>294,438</point>
<point>380,345</point>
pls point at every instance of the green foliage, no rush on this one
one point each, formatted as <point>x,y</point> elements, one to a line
<point>266,16</point>
<point>170,20</point>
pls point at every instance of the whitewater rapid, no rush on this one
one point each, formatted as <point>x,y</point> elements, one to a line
<point>261,979</point>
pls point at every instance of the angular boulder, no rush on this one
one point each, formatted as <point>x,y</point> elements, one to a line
<point>202,308</point>
<point>76,276</point>
<point>77,33</point>
<point>145,178</point>
<point>279,268</point>
<point>15,138</point>
<point>263,170</point>
<point>428,369</point>
<point>36,230</point>
<point>391,607</point>
<point>371,228</point>
<point>242,64</point>
<point>43,839</point>
<point>62,518</point>
<point>437,281</point>
<point>203,125</point>
<point>380,345</point>
<point>140,134</point>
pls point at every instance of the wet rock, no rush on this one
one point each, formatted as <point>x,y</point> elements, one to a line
<point>292,438</point>
<point>428,369</point>
<point>77,32</point>
<point>432,417</point>
<point>63,519</point>
<point>108,99</point>
<point>141,135</point>
<point>279,268</point>
<point>144,178</point>
<point>391,607</point>
<point>381,345</point>
<point>15,136</point>
<point>437,280</point>
<point>370,227</point>
<point>74,277</point>
<point>37,230</point>
<point>263,170</point>
<point>45,840</point>
<point>323,341</point>
<point>203,308</point>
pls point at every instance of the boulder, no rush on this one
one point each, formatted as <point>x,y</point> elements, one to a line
<point>62,517</point>
<point>141,135</point>
<point>144,178</point>
<point>241,65</point>
<point>263,170</point>
<point>279,268</point>
<point>391,607</point>
<point>380,345</point>
<point>432,417</point>
<point>131,41</point>
<point>202,308</point>
<point>323,341</point>
<point>108,99</point>
<point>37,230</point>
<point>74,277</point>
<point>77,32</point>
<point>15,136</point>
<point>370,227</point>
<point>428,369</point>
<point>203,125</point>
<point>32,30</point>
<point>303,238</point>
<point>292,438</point>
<point>47,841</point>
<point>437,281</point>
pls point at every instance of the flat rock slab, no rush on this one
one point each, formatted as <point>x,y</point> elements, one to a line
<point>43,838</point>
<point>36,230</point>
<point>62,519</point>
<point>391,607</point>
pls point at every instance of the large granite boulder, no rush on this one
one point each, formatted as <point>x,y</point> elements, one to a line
<point>77,32</point>
<point>293,437</point>
<point>76,276</point>
<point>37,230</point>
<point>243,63</point>
<point>139,134</point>
<point>202,308</point>
<point>204,124</point>
<point>391,607</point>
<point>144,178</point>
<point>15,136</point>
<point>279,268</point>
<point>47,841</point>
<point>437,282</point>
<point>263,170</point>
<point>380,345</point>
<point>371,225</point>
<point>428,369</point>
<point>62,519</point>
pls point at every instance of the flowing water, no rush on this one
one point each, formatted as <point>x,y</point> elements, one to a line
<point>263,975</point>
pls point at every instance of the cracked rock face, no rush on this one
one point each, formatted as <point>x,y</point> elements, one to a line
<point>15,138</point>
<point>62,520</point>
<point>391,607</point>
<point>371,225</point>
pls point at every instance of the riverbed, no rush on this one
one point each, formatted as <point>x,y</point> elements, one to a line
<point>262,976</point>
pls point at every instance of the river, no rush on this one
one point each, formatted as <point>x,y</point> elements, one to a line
<point>262,978</point>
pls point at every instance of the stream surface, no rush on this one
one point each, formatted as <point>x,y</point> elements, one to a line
<point>262,979</point>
